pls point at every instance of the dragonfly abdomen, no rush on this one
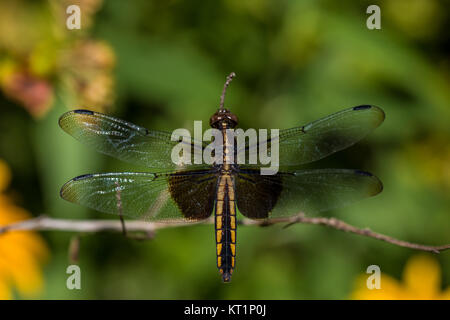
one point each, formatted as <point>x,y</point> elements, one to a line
<point>225,223</point>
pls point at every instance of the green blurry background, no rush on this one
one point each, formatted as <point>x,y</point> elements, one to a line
<point>162,65</point>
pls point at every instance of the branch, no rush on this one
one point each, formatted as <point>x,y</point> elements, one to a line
<point>44,223</point>
<point>343,226</point>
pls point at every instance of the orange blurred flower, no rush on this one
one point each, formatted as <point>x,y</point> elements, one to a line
<point>421,281</point>
<point>34,94</point>
<point>22,253</point>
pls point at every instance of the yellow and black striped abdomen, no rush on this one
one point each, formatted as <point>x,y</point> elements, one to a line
<point>225,222</point>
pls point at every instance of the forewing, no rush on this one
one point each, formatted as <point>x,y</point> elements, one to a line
<point>304,191</point>
<point>125,141</point>
<point>323,137</point>
<point>187,196</point>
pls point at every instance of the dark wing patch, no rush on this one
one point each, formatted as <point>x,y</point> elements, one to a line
<point>256,195</point>
<point>193,194</point>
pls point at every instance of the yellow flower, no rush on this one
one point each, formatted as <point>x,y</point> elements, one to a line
<point>21,253</point>
<point>421,281</point>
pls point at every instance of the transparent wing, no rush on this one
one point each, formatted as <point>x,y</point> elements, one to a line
<point>323,137</point>
<point>182,196</point>
<point>125,141</point>
<point>306,191</point>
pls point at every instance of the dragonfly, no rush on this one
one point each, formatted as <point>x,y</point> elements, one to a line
<point>191,193</point>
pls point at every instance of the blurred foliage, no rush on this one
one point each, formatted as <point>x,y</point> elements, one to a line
<point>40,59</point>
<point>162,64</point>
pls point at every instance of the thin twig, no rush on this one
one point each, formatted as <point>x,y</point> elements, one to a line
<point>227,83</point>
<point>44,223</point>
<point>343,226</point>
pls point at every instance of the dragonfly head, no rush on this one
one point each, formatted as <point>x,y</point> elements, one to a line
<point>224,116</point>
